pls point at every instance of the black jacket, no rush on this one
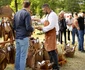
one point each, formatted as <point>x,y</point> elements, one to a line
<point>81,22</point>
<point>22,24</point>
<point>62,25</point>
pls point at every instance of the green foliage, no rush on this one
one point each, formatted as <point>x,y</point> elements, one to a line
<point>37,4</point>
<point>82,5</point>
<point>56,5</point>
<point>19,4</point>
<point>12,5</point>
<point>4,2</point>
<point>72,6</point>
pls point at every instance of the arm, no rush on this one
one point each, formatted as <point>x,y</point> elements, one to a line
<point>57,26</point>
<point>28,23</point>
<point>35,19</point>
<point>52,24</point>
<point>76,24</point>
<point>39,20</point>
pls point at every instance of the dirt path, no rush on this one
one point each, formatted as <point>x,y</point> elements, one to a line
<point>75,63</point>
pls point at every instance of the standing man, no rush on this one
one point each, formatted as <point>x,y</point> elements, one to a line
<point>84,21</point>
<point>23,29</point>
<point>81,32</point>
<point>69,22</point>
<point>50,28</point>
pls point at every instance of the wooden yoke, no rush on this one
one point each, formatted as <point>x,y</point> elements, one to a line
<point>1,43</point>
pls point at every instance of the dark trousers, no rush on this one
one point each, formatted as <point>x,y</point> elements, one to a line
<point>54,58</point>
<point>69,34</point>
<point>60,36</point>
<point>84,28</point>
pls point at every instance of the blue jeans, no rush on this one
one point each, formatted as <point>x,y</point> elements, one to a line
<point>74,32</point>
<point>21,53</point>
<point>81,39</point>
<point>84,28</point>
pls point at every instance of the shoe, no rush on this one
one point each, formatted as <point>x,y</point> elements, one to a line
<point>68,41</point>
<point>83,51</point>
<point>79,49</point>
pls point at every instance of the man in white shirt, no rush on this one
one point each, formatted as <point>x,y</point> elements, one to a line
<point>69,21</point>
<point>50,28</point>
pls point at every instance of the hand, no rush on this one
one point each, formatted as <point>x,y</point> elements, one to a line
<point>39,28</point>
<point>35,19</point>
<point>78,28</point>
<point>69,24</point>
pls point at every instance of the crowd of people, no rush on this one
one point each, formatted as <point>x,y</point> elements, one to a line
<point>73,25</point>
<point>54,28</point>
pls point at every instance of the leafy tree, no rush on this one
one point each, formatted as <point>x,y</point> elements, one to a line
<point>60,5</point>
<point>18,3</point>
<point>72,6</point>
<point>4,2</point>
<point>37,4</point>
<point>56,5</point>
<point>82,5</point>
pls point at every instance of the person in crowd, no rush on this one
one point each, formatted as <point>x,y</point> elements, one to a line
<point>23,30</point>
<point>81,32</point>
<point>62,27</point>
<point>84,21</point>
<point>75,27</point>
<point>69,22</point>
<point>50,28</point>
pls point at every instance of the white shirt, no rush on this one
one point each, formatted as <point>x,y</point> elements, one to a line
<point>53,22</point>
<point>69,21</point>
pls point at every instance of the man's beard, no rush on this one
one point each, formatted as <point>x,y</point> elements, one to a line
<point>46,13</point>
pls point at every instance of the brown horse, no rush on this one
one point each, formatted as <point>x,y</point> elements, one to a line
<point>7,31</point>
<point>3,60</point>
